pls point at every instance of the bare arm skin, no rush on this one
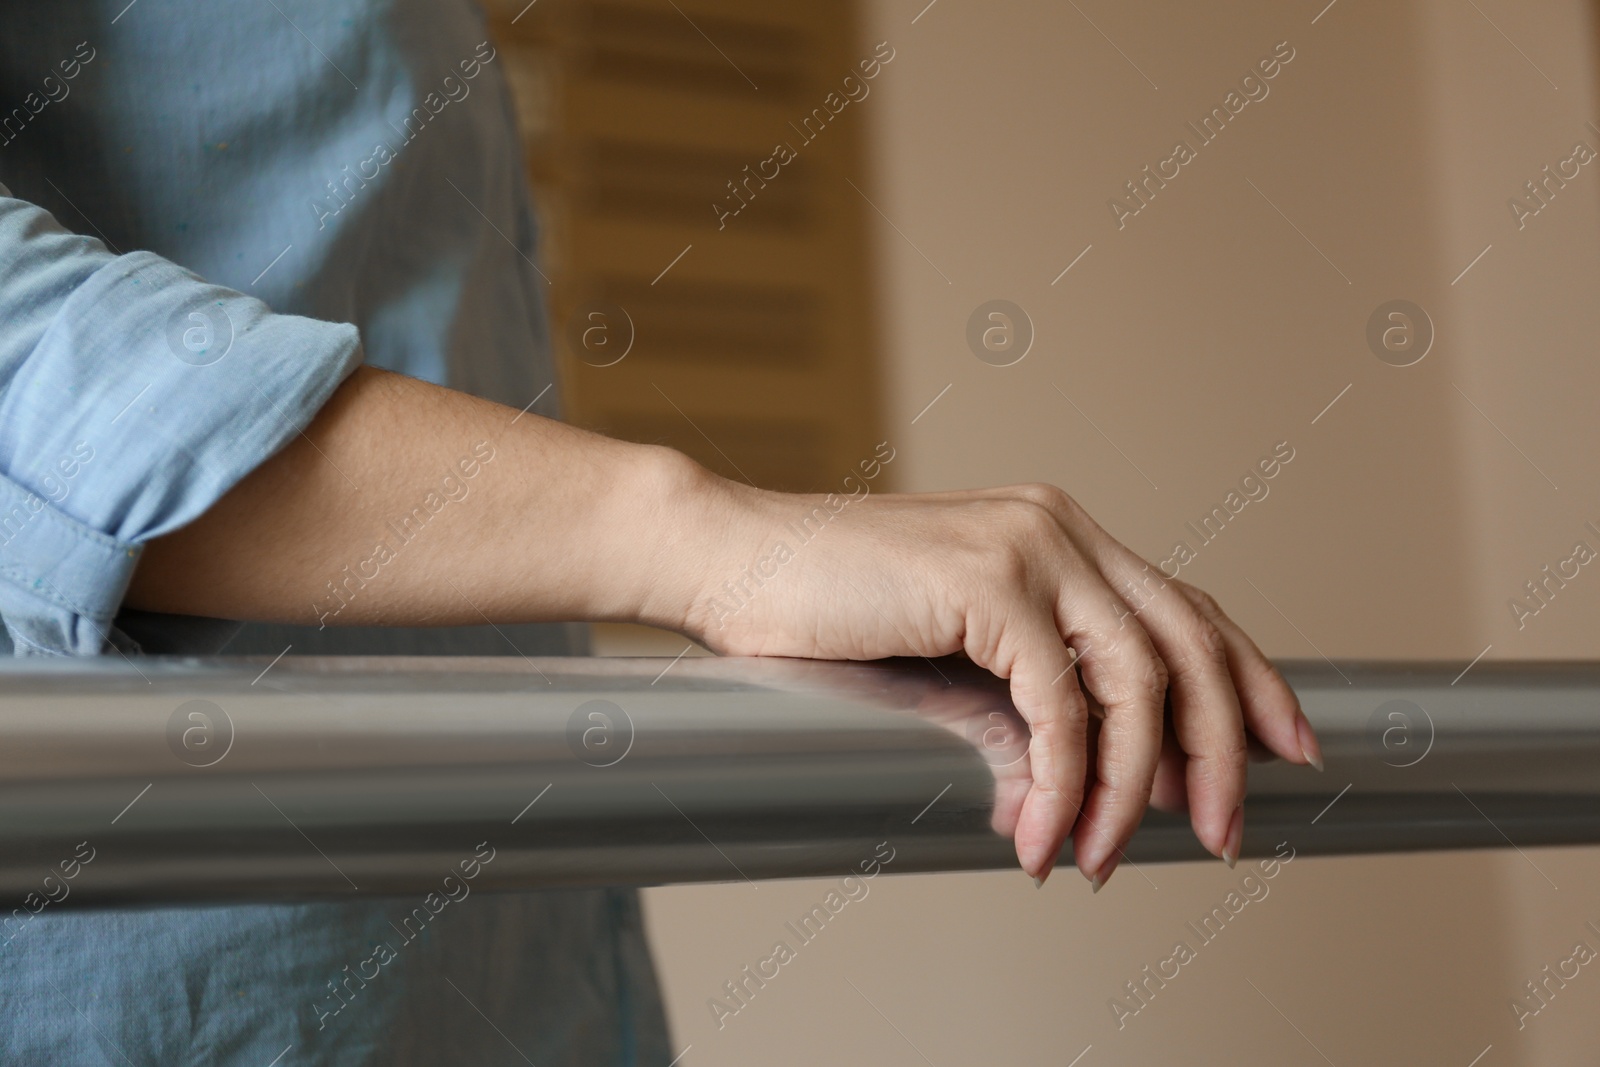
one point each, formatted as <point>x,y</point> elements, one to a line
<point>557,523</point>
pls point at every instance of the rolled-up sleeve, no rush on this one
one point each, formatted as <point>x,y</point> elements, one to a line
<point>132,396</point>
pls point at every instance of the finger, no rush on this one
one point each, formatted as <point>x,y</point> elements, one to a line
<point>1046,694</point>
<point>1121,668</point>
<point>1168,793</point>
<point>1206,716</point>
<point>1271,710</point>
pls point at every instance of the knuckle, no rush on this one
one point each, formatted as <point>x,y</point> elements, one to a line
<point>1151,665</point>
<point>1145,680</point>
<point>1155,688</point>
<point>1211,642</point>
<point>1031,518</point>
<point>1075,715</point>
<point>1232,755</point>
<point>1131,664</point>
<point>1218,740</point>
<point>1061,723</point>
<point>1027,539</point>
<point>1201,647</point>
<point>1204,602</point>
<point>1159,676</point>
<point>1006,566</point>
<point>1049,790</point>
<point>1044,495</point>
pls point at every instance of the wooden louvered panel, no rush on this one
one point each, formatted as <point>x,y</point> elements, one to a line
<point>730,324</point>
<point>672,184</point>
<point>656,47</point>
<point>759,336</point>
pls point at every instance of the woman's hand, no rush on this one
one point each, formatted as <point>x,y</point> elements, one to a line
<point>1026,584</point>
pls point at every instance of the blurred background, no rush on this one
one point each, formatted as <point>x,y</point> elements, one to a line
<point>1386,255</point>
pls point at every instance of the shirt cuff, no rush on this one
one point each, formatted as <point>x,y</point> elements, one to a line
<point>148,396</point>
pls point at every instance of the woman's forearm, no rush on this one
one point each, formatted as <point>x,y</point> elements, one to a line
<point>405,503</point>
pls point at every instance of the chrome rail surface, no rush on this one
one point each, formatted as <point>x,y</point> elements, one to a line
<point>170,781</point>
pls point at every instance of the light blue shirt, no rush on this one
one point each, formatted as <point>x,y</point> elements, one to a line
<point>209,215</point>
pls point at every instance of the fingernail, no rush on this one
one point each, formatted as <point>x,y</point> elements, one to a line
<point>1308,742</point>
<point>1038,883</point>
<point>1104,874</point>
<point>1235,838</point>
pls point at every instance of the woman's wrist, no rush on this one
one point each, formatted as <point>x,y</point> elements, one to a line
<point>680,527</point>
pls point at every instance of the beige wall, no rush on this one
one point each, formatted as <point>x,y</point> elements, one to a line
<point>1195,338</point>
<point>1525,320</point>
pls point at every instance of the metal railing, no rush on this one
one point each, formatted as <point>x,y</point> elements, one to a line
<point>167,781</point>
